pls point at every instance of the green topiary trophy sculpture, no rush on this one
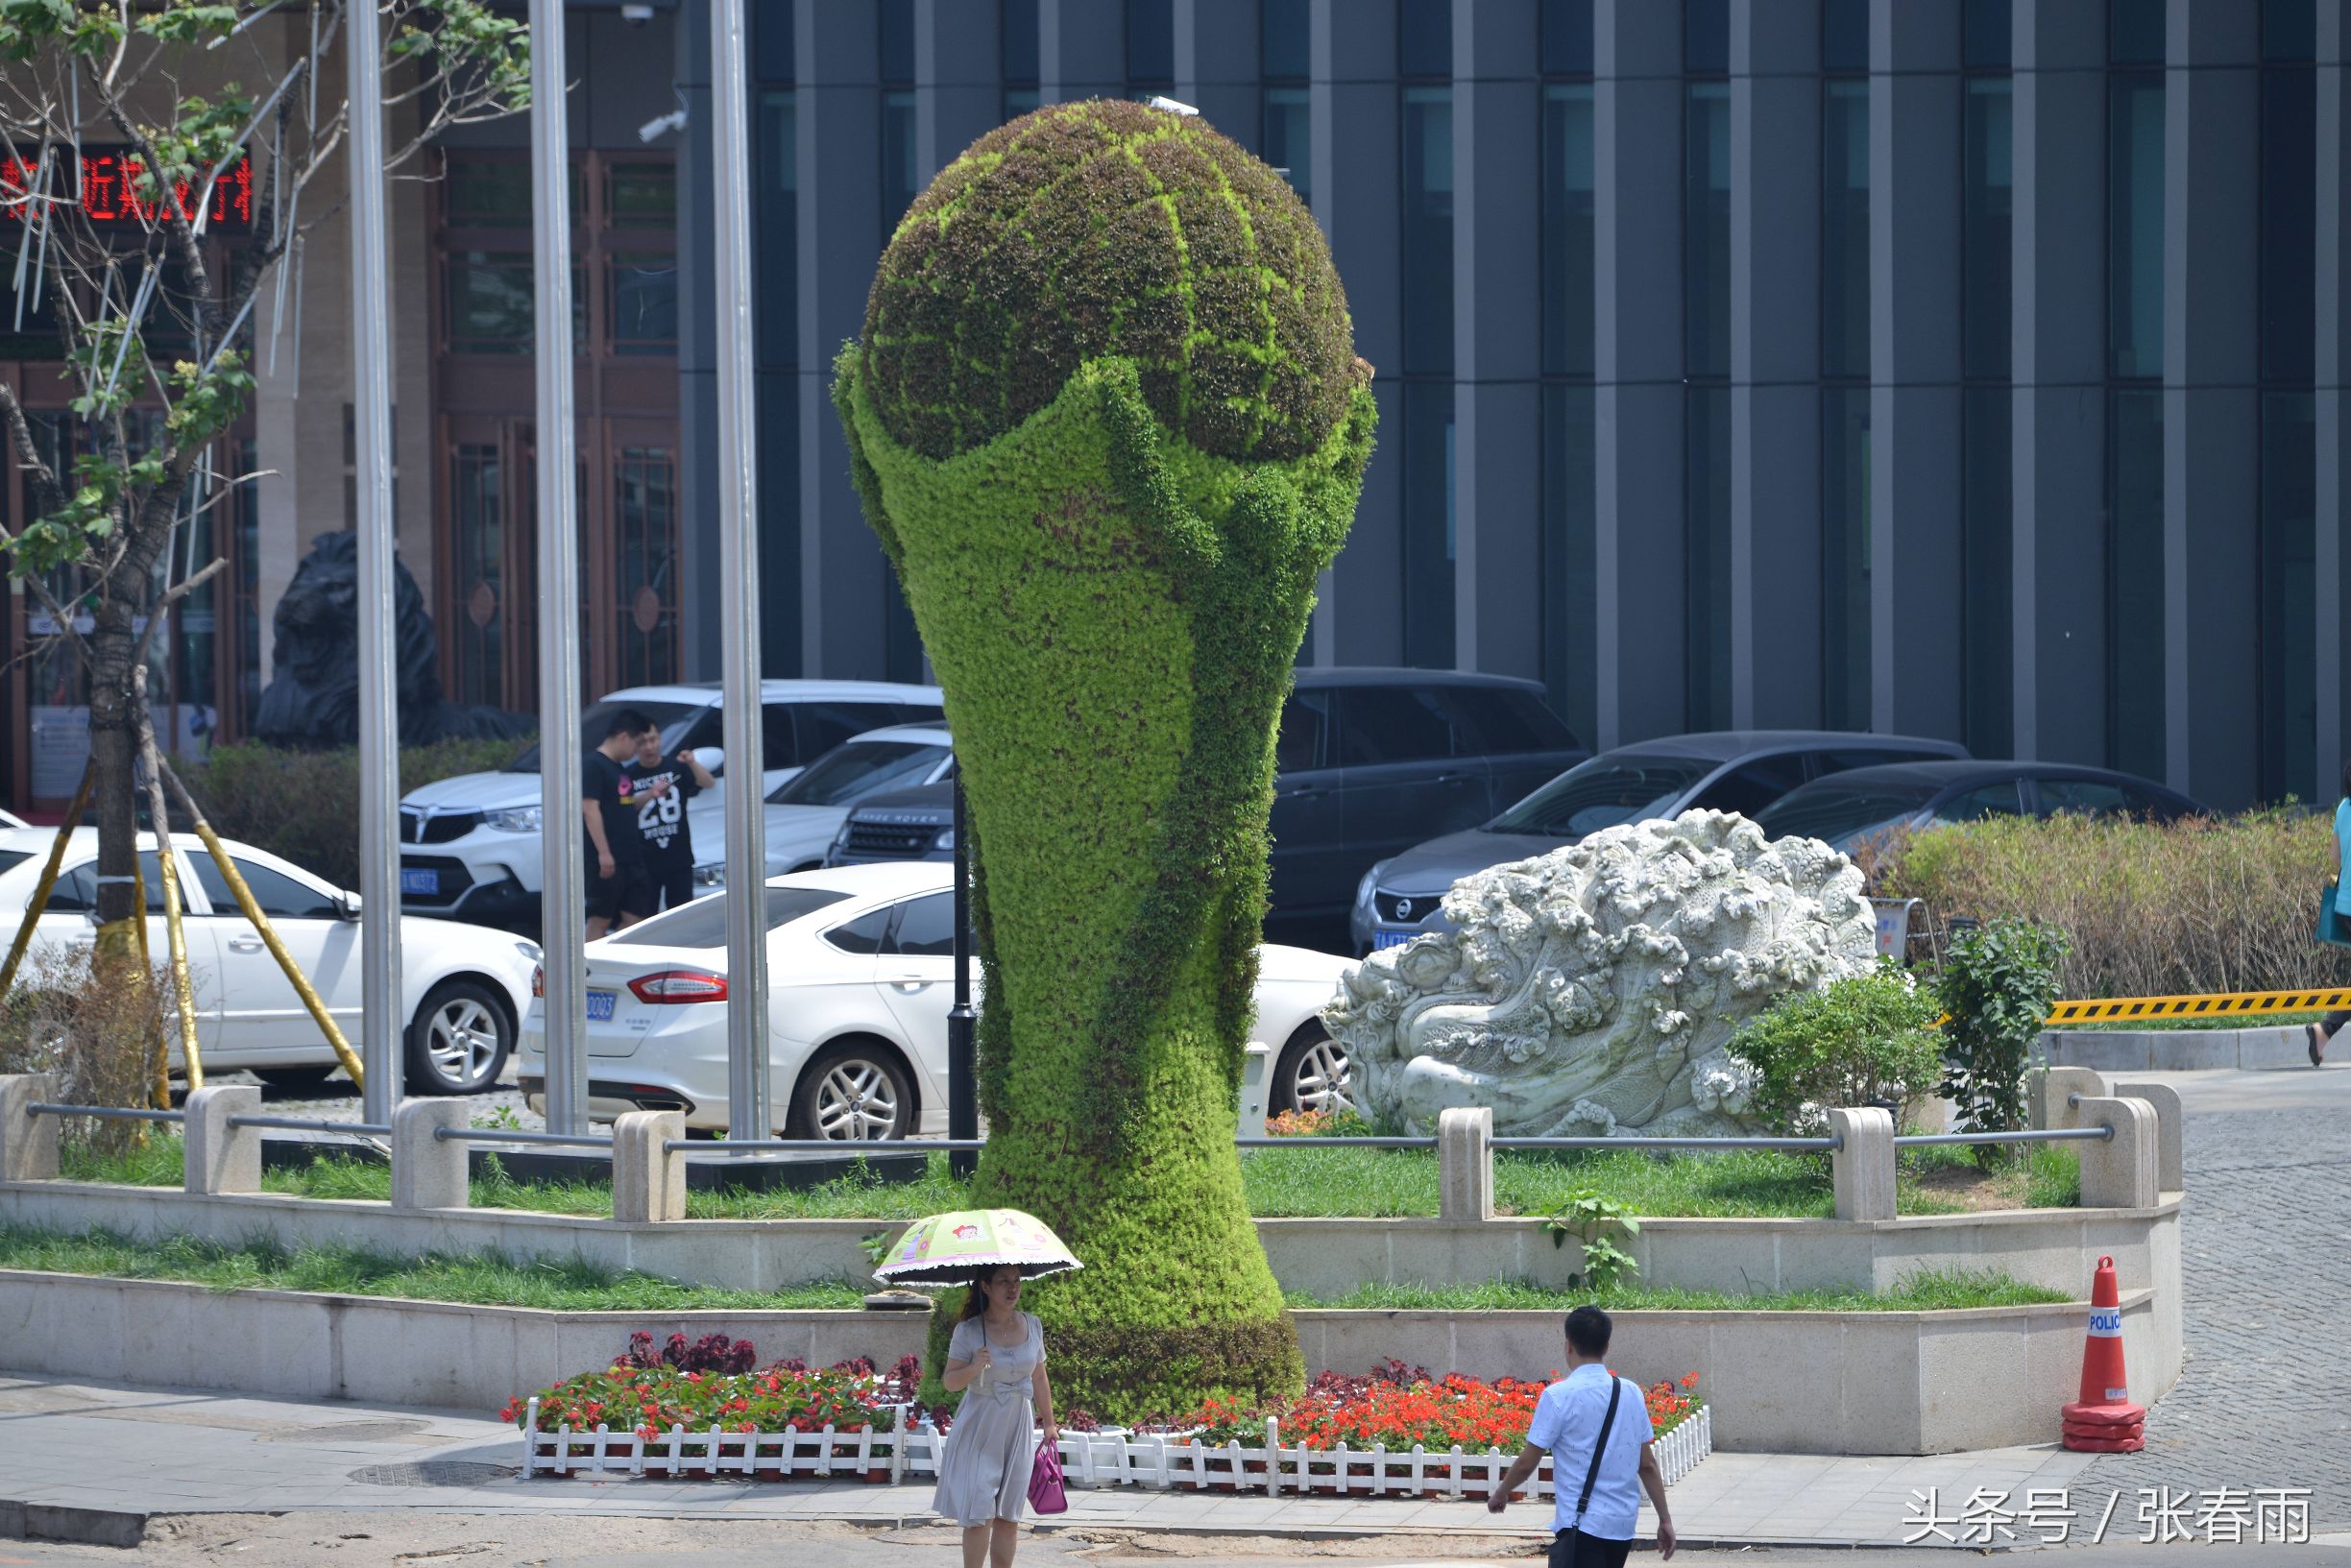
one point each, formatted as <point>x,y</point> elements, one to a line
<point>1108,420</point>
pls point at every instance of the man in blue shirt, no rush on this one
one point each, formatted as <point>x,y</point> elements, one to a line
<point>1572,1420</point>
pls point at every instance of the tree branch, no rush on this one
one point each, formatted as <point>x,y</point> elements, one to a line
<point>172,595</point>
<point>178,235</point>
<point>47,497</point>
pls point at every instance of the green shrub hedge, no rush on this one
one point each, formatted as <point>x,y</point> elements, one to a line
<point>1859,1041</point>
<point>303,804</point>
<point>2210,905</point>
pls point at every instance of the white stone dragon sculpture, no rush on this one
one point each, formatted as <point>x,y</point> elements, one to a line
<point>1592,992</point>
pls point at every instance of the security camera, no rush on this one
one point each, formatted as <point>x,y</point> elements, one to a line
<point>1170,107</point>
<point>637,17</point>
<point>661,124</point>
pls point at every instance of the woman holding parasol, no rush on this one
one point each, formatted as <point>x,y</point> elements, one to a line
<point>995,1360</point>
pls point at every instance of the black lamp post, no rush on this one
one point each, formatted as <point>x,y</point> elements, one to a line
<point>962,1089</point>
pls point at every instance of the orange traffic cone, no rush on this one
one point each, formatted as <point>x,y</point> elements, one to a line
<point>2104,1420</point>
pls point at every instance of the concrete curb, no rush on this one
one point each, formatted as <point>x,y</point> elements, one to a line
<point>2176,1051</point>
<point>73,1526</point>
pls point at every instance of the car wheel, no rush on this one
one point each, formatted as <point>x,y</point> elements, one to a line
<point>1311,1074</point>
<point>459,1039</point>
<point>293,1077</point>
<point>852,1093</point>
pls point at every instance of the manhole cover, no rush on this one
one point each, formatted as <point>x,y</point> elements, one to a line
<point>343,1431</point>
<point>432,1473</point>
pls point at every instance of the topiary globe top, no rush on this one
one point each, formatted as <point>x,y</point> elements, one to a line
<point>1106,227</point>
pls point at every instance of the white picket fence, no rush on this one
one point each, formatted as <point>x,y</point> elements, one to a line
<point>1088,1459</point>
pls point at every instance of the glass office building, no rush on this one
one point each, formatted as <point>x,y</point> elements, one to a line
<point>1966,367</point>
<point>1963,368</point>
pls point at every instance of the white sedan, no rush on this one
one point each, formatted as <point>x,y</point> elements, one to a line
<point>860,976</point>
<point>463,988</point>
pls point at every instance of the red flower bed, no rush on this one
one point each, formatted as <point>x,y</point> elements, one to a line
<point>1400,1405</point>
<point>787,1396</point>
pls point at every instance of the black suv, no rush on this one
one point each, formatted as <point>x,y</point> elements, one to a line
<point>1367,762</point>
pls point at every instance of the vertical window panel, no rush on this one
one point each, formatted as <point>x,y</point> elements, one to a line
<point>1428,525</point>
<point>2288,235</point>
<point>1984,34</point>
<point>778,261</point>
<point>477,535</point>
<point>1706,546</point>
<point>1288,137</point>
<point>1845,557</point>
<point>1287,39</point>
<point>898,188</point>
<point>1570,575</point>
<point>1566,37</point>
<point>644,517</point>
<point>2289,571</point>
<point>1706,37</point>
<point>1706,231</point>
<point>1845,229</point>
<point>1845,36</point>
<point>1428,230</point>
<point>2135,32</point>
<point>1424,37</point>
<point>1987,200</point>
<point>2135,224</point>
<point>1567,231</point>
<point>1151,43</point>
<point>2135,581</point>
<point>1988,546</point>
<point>896,19</point>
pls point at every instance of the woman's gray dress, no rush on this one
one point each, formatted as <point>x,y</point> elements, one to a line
<point>984,1474</point>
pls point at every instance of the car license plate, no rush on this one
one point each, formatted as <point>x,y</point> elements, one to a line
<point>428,883</point>
<point>600,1006</point>
<point>1391,939</point>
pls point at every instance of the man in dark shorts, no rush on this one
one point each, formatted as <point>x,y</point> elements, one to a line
<point>612,853</point>
<point>659,788</point>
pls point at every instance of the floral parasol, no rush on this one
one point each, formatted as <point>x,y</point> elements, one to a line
<point>950,1248</point>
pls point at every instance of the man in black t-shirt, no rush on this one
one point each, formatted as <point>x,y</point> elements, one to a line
<point>659,789</point>
<point>612,852</point>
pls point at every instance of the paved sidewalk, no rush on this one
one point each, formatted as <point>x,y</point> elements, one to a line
<point>2265,1247</point>
<point>119,1448</point>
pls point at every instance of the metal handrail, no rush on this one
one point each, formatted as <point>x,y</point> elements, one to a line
<point>727,1149</point>
<point>105,1113</point>
<point>498,1135</point>
<point>1817,1146</point>
<point>311,1123</point>
<point>1365,1142</point>
<point>2049,1135</point>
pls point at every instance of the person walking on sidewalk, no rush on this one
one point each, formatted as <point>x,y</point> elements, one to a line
<point>2322,1035</point>
<point>1595,1427</point>
<point>996,1360</point>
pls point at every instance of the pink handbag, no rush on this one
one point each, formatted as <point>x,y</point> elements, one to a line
<point>1045,1493</point>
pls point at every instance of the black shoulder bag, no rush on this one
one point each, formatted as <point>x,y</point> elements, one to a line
<point>1564,1544</point>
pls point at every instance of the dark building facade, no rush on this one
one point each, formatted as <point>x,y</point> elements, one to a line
<point>1969,368</point>
<point>1965,367</point>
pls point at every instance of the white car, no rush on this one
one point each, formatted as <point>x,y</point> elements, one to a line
<point>9,819</point>
<point>463,989</point>
<point>469,844</point>
<point>860,976</point>
<point>805,814</point>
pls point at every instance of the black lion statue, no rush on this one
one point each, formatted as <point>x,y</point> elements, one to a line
<point>312,701</point>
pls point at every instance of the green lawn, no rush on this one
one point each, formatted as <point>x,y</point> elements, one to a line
<point>574,1284</point>
<point>1926,1291</point>
<point>1308,1180</point>
<point>485,1278</point>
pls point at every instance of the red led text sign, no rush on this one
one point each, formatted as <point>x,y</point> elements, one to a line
<point>109,191</point>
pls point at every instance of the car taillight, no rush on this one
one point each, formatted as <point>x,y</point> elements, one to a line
<point>679,985</point>
<point>537,980</point>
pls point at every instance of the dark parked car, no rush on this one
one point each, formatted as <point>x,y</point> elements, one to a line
<point>1865,803</point>
<point>1727,770</point>
<point>1367,762</point>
